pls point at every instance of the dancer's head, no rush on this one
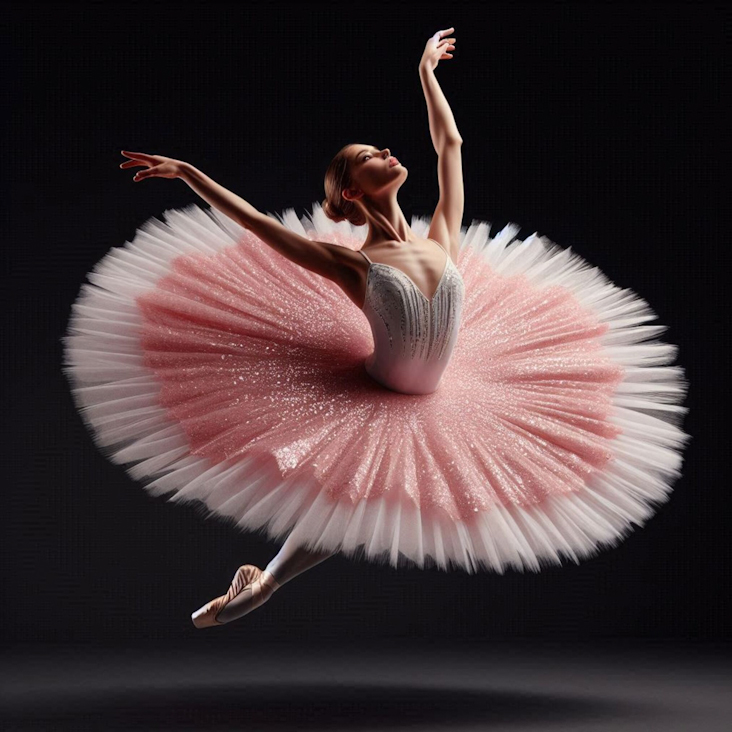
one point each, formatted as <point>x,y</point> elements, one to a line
<point>356,175</point>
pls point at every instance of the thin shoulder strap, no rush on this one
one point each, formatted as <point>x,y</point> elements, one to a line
<point>439,245</point>
<point>365,255</point>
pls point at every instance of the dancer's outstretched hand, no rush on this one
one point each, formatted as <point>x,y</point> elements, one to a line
<point>158,166</point>
<point>436,49</point>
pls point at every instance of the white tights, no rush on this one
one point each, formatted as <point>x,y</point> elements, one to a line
<point>292,560</point>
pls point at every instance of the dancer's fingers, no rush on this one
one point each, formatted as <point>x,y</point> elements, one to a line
<point>137,155</point>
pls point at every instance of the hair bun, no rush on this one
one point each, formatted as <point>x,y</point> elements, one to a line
<point>337,177</point>
<point>332,211</point>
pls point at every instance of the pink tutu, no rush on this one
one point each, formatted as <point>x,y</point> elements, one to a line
<point>217,371</point>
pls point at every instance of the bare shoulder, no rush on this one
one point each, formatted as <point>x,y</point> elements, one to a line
<point>325,259</point>
<point>349,272</point>
<point>447,239</point>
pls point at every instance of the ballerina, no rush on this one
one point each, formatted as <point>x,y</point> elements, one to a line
<point>487,403</point>
<point>373,178</point>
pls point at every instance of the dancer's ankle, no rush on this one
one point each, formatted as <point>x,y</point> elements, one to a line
<point>270,580</point>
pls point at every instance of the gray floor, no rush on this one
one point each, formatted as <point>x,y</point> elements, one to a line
<point>487,685</point>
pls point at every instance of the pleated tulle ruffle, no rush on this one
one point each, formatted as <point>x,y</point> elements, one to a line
<point>217,371</point>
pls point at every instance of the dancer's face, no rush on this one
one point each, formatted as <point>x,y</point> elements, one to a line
<point>374,170</point>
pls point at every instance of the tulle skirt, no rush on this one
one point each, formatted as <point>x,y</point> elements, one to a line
<point>222,375</point>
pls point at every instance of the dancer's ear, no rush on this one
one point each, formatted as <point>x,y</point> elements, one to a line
<point>352,194</point>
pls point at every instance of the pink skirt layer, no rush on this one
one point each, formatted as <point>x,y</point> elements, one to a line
<point>217,371</point>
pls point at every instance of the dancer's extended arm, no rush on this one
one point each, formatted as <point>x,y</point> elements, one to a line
<point>447,141</point>
<point>320,257</point>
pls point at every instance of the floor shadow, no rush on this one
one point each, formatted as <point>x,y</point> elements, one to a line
<point>309,707</point>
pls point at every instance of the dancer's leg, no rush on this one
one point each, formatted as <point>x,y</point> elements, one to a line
<point>290,561</point>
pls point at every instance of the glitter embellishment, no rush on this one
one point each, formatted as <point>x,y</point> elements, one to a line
<point>418,330</point>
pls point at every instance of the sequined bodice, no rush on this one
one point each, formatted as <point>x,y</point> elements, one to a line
<point>413,336</point>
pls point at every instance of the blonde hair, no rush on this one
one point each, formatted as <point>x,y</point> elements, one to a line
<point>338,177</point>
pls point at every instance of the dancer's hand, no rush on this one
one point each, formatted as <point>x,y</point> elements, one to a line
<point>158,165</point>
<point>436,49</point>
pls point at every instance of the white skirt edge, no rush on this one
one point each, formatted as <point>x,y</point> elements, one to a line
<point>117,399</point>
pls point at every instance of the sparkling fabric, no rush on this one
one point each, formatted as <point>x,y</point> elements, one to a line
<point>258,356</point>
<point>414,335</point>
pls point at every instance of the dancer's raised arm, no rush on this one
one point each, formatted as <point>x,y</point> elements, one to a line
<point>320,257</point>
<point>447,141</point>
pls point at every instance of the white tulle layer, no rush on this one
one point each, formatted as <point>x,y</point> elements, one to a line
<point>116,396</point>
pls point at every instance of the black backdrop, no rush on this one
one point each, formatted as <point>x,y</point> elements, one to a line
<point>598,126</point>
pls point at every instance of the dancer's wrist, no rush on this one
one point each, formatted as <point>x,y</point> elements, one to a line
<point>187,171</point>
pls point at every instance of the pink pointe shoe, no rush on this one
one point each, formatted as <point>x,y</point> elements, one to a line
<point>261,582</point>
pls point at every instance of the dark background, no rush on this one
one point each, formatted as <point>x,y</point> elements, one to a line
<point>597,125</point>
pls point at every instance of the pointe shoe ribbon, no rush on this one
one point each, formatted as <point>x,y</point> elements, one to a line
<point>262,583</point>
